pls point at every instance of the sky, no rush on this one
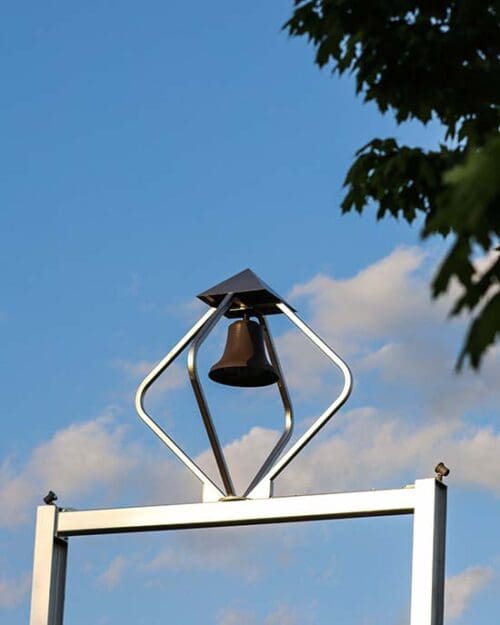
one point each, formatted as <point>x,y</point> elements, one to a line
<point>148,152</point>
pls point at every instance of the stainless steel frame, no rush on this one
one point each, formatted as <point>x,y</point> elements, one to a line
<point>426,500</point>
<point>261,484</point>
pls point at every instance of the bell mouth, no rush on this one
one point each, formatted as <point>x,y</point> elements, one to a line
<point>244,361</point>
<point>243,375</point>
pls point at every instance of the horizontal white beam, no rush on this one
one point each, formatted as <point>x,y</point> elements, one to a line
<point>237,512</point>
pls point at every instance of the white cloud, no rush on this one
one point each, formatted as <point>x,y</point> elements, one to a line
<point>424,369</point>
<point>365,450</point>
<point>230,550</point>
<point>371,449</point>
<point>475,456</point>
<point>244,455</point>
<point>368,448</point>
<point>235,616</point>
<point>73,462</point>
<point>97,459</point>
<point>13,591</point>
<point>382,297</point>
<point>174,378</point>
<point>94,458</point>
<point>358,315</point>
<point>383,322</point>
<point>283,614</point>
<point>306,369</point>
<point>462,588</point>
<point>113,574</point>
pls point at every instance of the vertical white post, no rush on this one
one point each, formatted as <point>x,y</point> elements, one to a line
<point>49,570</point>
<point>429,530</point>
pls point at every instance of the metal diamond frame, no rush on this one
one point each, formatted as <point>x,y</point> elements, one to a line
<point>261,484</point>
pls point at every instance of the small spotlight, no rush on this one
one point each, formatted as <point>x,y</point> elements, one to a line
<point>441,471</point>
<point>50,497</point>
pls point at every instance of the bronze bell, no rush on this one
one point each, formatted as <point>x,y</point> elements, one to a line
<point>244,361</point>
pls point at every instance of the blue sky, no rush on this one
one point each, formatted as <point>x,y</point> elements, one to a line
<point>149,152</point>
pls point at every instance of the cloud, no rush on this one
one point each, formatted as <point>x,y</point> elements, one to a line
<point>244,455</point>
<point>383,322</point>
<point>96,459</point>
<point>235,616</point>
<point>174,378</point>
<point>368,448</point>
<point>13,591</point>
<point>357,316</point>
<point>93,459</point>
<point>460,591</point>
<point>73,462</point>
<point>283,614</point>
<point>462,588</point>
<point>308,372</point>
<point>476,458</point>
<point>231,550</point>
<point>424,368</point>
<point>113,574</point>
<point>380,298</point>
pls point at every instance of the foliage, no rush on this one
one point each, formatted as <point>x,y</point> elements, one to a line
<point>427,59</point>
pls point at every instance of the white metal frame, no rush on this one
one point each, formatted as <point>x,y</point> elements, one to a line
<point>425,500</point>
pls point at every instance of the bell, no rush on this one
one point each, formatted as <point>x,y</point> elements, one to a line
<point>244,361</point>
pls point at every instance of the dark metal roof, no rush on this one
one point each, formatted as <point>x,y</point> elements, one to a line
<point>249,291</point>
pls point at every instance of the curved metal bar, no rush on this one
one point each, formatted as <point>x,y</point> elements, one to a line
<point>287,404</point>
<point>301,442</point>
<point>211,491</point>
<point>200,395</point>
